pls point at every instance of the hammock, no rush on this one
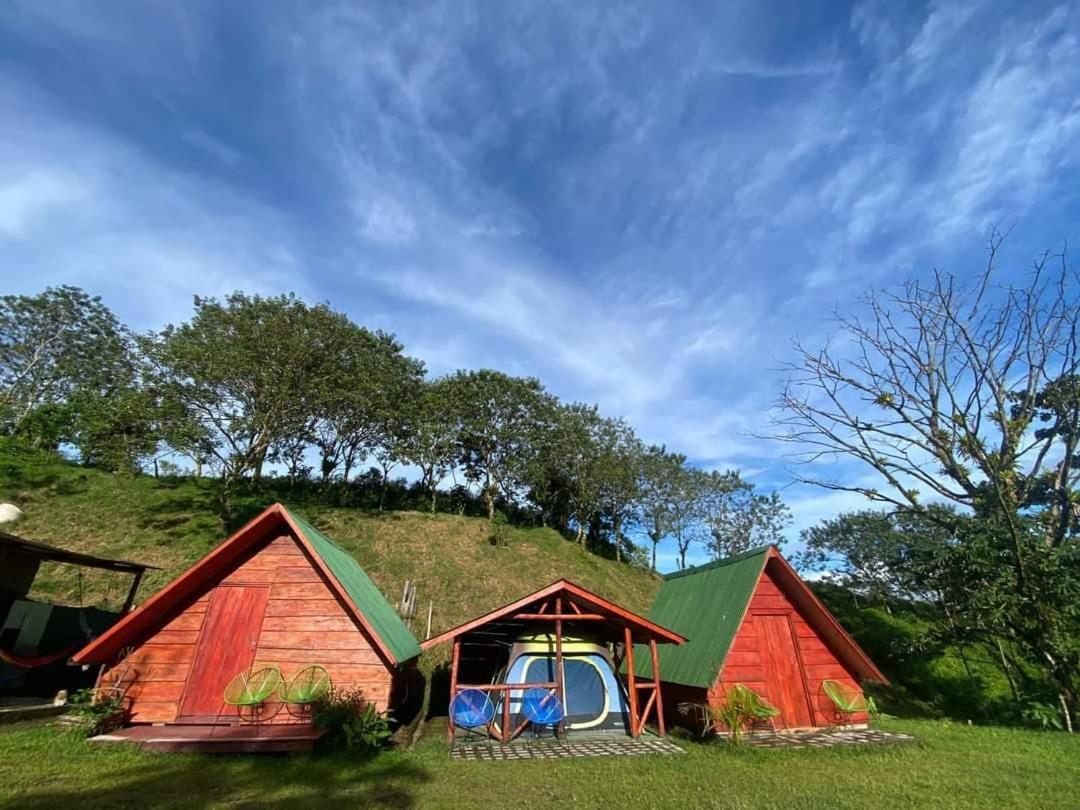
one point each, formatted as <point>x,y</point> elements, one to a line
<point>35,661</point>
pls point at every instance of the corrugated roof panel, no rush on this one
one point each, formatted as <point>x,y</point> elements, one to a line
<point>706,604</point>
<point>379,613</point>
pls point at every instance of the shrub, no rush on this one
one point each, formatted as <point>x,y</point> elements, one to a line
<point>741,709</point>
<point>93,713</point>
<point>347,716</point>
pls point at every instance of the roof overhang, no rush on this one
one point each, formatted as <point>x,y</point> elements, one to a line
<point>199,577</point>
<point>581,611</point>
<point>45,553</point>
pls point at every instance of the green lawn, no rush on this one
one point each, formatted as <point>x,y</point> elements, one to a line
<point>950,766</point>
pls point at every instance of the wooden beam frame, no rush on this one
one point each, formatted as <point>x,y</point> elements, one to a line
<point>631,682</point>
<point>559,666</point>
<point>455,658</point>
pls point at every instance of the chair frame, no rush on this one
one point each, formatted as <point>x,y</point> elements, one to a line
<point>472,729</point>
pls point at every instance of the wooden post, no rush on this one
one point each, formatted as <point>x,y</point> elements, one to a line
<point>561,688</point>
<point>453,688</point>
<point>131,593</point>
<point>656,687</point>
<point>631,683</point>
<point>505,731</point>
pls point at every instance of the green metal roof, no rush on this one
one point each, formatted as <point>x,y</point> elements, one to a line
<point>706,604</point>
<point>378,612</point>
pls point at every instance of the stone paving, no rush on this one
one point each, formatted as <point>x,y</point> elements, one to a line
<point>556,749</point>
<point>825,738</point>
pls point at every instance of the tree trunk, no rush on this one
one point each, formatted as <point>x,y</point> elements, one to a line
<point>616,524</point>
<point>1008,673</point>
<point>489,499</point>
<point>654,545</point>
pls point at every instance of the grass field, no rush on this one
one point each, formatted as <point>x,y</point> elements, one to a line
<point>950,766</point>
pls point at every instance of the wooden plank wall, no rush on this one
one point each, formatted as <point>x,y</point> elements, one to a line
<point>744,661</point>
<point>304,624</point>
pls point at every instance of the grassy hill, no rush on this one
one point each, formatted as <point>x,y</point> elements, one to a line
<point>170,523</point>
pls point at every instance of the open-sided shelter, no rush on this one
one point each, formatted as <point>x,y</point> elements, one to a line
<point>276,593</point>
<point>750,619</point>
<point>566,639</point>
<point>36,637</point>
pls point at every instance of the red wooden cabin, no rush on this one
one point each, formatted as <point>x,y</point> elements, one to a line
<point>750,619</point>
<point>277,592</point>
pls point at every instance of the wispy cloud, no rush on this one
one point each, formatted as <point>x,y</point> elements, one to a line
<point>638,204</point>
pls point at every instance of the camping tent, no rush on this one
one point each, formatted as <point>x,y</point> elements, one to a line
<point>752,620</point>
<point>595,697</point>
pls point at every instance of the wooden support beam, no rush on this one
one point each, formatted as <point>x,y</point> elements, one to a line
<point>660,726</point>
<point>631,683</point>
<point>504,730</point>
<point>574,607</point>
<point>576,617</point>
<point>131,593</point>
<point>504,687</point>
<point>559,665</point>
<point>453,687</point>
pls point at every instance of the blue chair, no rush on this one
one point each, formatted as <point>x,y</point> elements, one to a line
<point>472,709</point>
<point>542,708</point>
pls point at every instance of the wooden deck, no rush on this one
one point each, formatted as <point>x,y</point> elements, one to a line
<point>217,739</point>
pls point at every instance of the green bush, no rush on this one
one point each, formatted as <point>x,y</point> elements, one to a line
<point>348,717</point>
<point>91,713</point>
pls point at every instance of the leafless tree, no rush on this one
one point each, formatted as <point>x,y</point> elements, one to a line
<point>961,392</point>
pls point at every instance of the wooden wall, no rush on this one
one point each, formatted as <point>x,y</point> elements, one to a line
<point>744,661</point>
<point>304,624</point>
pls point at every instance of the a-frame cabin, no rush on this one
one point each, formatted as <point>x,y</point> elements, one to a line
<point>277,592</point>
<point>751,619</point>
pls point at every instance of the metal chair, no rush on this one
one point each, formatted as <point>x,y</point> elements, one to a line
<point>472,709</point>
<point>846,699</point>
<point>542,707</point>
<point>251,689</point>
<point>306,687</point>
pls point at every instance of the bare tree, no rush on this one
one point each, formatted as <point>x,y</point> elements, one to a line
<point>940,390</point>
<point>967,394</point>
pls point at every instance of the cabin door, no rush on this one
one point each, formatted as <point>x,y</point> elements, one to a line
<point>226,648</point>
<point>784,679</point>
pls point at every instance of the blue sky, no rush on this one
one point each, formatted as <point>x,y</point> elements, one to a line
<point>641,205</point>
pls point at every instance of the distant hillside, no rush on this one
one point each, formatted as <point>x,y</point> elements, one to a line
<point>170,523</point>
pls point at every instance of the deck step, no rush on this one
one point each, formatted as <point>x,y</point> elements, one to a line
<point>215,739</point>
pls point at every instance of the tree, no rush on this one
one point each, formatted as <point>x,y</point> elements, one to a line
<point>360,402</point>
<point>242,376</point>
<point>737,517</point>
<point>430,442</point>
<point>882,556</point>
<point>619,472</point>
<point>53,345</point>
<point>965,394</point>
<point>685,512</point>
<point>501,418</point>
<point>116,430</point>
<point>660,472</point>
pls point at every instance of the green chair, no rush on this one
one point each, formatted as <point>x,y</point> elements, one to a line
<point>307,686</point>
<point>847,700</point>
<point>757,708</point>
<point>251,689</point>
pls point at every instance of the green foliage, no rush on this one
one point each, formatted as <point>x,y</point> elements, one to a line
<point>740,710</point>
<point>737,517</point>
<point>92,712</point>
<point>52,346</point>
<point>349,718</point>
<point>1044,715</point>
<point>501,418</point>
